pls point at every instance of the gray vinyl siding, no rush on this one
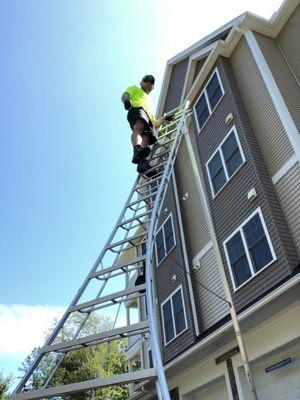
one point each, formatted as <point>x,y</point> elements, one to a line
<point>288,190</point>
<point>173,264</point>
<point>199,65</point>
<point>282,74</point>
<point>270,133</point>
<point>193,218</point>
<point>231,207</point>
<point>212,309</point>
<point>289,41</point>
<point>176,85</point>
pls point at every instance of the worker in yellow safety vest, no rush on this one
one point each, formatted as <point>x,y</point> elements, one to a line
<point>137,102</point>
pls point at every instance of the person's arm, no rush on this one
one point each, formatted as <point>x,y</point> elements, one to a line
<point>166,118</point>
<point>126,101</point>
<point>158,122</point>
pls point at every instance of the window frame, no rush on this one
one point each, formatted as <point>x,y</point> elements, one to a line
<point>169,298</point>
<point>163,232</point>
<point>207,101</point>
<point>219,149</point>
<point>251,266</point>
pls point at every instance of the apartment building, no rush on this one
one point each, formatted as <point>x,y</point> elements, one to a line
<point>231,215</point>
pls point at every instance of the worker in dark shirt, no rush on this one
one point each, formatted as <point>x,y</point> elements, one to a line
<point>137,102</point>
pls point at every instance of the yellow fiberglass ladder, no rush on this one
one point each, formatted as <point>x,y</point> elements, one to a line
<point>105,289</point>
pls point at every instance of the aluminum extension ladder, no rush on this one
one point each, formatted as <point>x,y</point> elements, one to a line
<point>136,225</point>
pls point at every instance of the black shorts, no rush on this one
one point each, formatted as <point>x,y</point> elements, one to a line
<point>137,113</point>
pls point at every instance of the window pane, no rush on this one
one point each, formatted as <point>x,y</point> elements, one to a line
<point>253,230</point>
<point>216,171</point>
<point>241,270</point>
<point>178,312</point>
<point>257,243</point>
<point>214,91</point>
<point>215,165</point>
<point>261,254</point>
<point>169,236</point>
<point>238,260</point>
<point>234,162</point>
<point>168,322</point>
<point>219,181</point>
<point>231,153</point>
<point>229,146</point>
<point>202,111</point>
<point>150,359</point>
<point>160,248</point>
<point>235,247</point>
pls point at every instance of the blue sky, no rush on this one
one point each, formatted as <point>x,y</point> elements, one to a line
<point>65,149</point>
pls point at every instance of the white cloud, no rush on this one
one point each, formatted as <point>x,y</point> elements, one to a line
<point>23,327</point>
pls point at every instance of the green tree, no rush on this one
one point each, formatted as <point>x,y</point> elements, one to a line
<point>92,362</point>
<point>4,385</point>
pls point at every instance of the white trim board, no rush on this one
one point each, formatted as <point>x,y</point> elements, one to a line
<point>284,169</point>
<point>202,252</point>
<point>279,103</point>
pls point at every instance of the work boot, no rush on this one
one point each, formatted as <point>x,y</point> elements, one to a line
<point>139,153</point>
<point>145,166</point>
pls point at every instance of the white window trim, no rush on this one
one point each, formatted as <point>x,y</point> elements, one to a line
<point>193,59</point>
<point>173,319</point>
<point>206,97</point>
<point>161,227</point>
<point>218,149</point>
<point>239,229</point>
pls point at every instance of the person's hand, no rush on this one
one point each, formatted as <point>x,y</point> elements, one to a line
<point>127,104</point>
<point>169,117</point>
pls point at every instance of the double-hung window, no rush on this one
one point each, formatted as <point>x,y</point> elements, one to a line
<point>165,239</point>
<point>209,99</point>
<point>249,249</point>
<point>225,161</point>
<point>174,318</point>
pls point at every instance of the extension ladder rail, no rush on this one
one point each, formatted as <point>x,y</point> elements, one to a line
<point>144,205</point>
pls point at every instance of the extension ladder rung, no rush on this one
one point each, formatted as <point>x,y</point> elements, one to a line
<point>122,266</point>
<point>141,199</point>
<point>127,240</point>
<point>148,182</point>
<point>91,340</point>
<point>110,297</point>
<point>135,218</point>
<point>164,144</point>
<point>83,386</point>
<point>158,155</point>
<point>155,167</point>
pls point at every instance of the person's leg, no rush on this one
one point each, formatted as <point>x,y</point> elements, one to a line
<point>140,143</point>
<point>137,134</point>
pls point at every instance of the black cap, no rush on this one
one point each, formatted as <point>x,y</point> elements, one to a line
<point>149,78</point>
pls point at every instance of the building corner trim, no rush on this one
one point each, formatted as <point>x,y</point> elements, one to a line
<point>271,85</point>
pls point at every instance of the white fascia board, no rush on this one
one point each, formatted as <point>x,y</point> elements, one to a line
<point>273,26</point>
<point>164,90</point>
